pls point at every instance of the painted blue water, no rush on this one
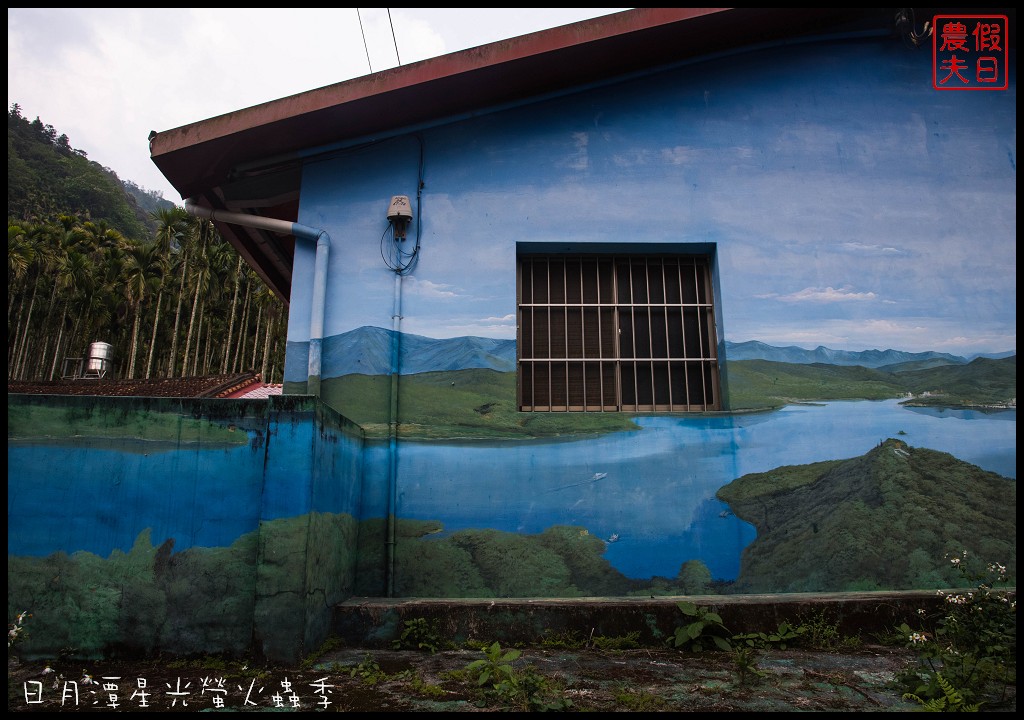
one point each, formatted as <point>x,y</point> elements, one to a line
<point>651,491</point>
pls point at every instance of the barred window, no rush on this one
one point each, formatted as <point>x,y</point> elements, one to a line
<point>616,333</point>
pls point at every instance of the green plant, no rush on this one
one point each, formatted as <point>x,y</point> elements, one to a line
<point>970,645</point>
<point>421,687</point>
<point>746,659</point>
<point>494,667</point>
<point>950,701</point>
<point>418,634</point>
<point>639,701</point>
<point>629,641</point>
<point>524,689</point>
<point>568,640</point>
<point>820,632</point>
<point>781,638</point>
<point>330,643</point>
<point>704,630</point>
<point>369,671</point>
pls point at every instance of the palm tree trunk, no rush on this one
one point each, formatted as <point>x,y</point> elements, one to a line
<point>266,349</point>
<point>173,362</point>
<point>239,364</point>
<point>24,336</point>
<point>231,322</point>
<point>256,335</point>
<point>135,341</point>
<point>188,336</point>
<point>152,342</point>
<point>198,332</point>
<point>60,337</point>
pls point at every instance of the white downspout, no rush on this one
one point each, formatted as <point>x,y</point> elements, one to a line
<point>323,250</point>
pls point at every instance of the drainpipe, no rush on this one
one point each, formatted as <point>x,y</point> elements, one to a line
<point>323,250</point>
<point>396,336</point>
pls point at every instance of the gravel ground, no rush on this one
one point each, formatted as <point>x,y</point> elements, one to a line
<point>355,680</point>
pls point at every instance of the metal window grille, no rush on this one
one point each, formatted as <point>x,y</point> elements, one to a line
<point>609,333</point>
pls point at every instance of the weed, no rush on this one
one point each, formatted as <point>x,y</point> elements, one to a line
<point>494,667</point>
<point>781,638</point>
<point>331,643</point>
<point>746,659</point>
<point>704,630</point>
<point>820,632</point>
<point>418,634</point>
<point>951,700</point>
<point>639,701</point>
<point>523,690</point>
<point>369,671</point>
<point>629,641</point>
<point>568,640</point>
<point>421,687</point>
<point>970,646</point>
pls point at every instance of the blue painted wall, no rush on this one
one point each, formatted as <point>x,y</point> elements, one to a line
<point>851,206</point>
<point>858,218</point>
<point>138,525</point>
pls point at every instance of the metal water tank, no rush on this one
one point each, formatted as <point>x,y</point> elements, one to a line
<point>100,359</point>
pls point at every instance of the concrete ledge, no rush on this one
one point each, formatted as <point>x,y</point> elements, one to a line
<point>375,622</point>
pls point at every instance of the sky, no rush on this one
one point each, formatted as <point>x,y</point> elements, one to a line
<point>106,77</point>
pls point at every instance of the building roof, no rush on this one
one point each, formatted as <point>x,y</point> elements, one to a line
<point>248,385</point>
<point>250,160</point>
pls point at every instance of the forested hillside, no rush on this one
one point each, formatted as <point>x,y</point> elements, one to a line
<point>91,258</point>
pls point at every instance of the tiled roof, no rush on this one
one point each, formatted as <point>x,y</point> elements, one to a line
<point>209,386</point>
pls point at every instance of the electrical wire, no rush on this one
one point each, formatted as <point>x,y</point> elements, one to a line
<point>392,252</point>
<point>393,38</point>
<point>365,46</point>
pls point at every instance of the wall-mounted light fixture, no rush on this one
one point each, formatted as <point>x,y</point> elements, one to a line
<point>400,215</point>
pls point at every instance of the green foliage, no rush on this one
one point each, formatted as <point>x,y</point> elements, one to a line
<point>639,700</point>
<point>879,521</point>
<point>950,701</point>
<point>694,578</point>
<point>702,630</point>
<point>628,641</point>
<point>46,178</point>
<point>746,659</point>
<point>330,644</point>
<point>821,632</point>
<point>419,686</point>
<point>521,689</point>
<point>368,670</point>
<point>495,667</point>
<point>969,646</point>
<point>568,640</point>
<point>419,634</point>
<point>784,636</point>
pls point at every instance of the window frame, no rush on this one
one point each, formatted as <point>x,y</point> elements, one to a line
<point>577,373</point>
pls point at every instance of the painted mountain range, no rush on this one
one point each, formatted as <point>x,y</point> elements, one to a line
<point>754,350</point>
<point>367,351</point>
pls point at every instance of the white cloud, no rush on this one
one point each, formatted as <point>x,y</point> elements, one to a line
<point>826,295</point>
<point>425,288</point>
